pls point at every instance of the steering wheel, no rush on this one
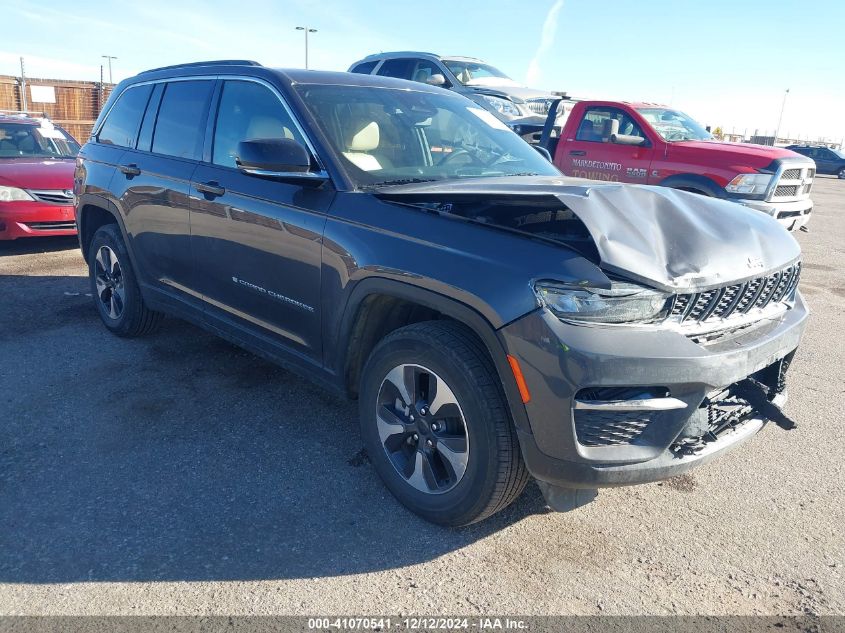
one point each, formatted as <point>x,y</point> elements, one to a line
<point>454,154</point>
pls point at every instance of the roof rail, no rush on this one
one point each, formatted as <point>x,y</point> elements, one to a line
<point>382,54</point>
<point>216,62</point>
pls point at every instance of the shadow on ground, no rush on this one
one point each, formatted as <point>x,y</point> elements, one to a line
<point>181,457</point>
<point>30,245</point>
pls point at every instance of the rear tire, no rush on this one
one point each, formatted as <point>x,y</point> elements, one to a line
<point>436,424</point>
<point>115,288</point>
<point>841,174</point>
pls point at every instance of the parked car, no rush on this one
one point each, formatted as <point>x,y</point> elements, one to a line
<point>468,76</point>
<point>36,177</point>
<point>828,161</point>
<point>400,245</point>
<point>658,145</point>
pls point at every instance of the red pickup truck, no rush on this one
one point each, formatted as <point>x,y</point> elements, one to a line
<point>657,145</point>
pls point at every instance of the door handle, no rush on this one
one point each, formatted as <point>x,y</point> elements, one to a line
<point>577,152</point>
<point>210,188</point>
<point>130,170</point>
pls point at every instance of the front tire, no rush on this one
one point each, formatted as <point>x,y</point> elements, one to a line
<point>436,424</point>
<point>841,174</point>
<point>115,288</point>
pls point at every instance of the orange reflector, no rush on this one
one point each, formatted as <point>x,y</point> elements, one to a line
<point>520,379</point>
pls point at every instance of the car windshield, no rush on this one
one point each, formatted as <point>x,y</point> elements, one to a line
<point>674,126</point>
<point>468,72</point>
<point>389,136</point>
<point>35,141</point>
<point>839,153</point>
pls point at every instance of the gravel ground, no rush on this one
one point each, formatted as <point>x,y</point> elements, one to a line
<point>179,475</point>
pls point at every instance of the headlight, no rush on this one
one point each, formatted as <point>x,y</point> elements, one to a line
<point>13,194</point>
<point>502,106</point>
<point>622,303</point>
<point>749,183</point>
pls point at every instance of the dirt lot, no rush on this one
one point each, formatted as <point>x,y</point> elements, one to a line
<point>177,474</point>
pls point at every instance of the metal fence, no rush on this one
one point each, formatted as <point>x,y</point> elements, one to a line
<point>74,105</point>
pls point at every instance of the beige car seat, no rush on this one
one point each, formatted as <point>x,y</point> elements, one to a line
<point>364,141</point>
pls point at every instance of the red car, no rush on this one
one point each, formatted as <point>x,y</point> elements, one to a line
<point>37,160</point>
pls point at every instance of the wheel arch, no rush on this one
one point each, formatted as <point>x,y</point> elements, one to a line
<point>378,306</point>
<point>94,211</point>
<point>694,183</point>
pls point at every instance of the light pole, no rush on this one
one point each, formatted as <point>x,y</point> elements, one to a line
<point>307,31</point>
<point>780,118</point>
<point>109,57</point>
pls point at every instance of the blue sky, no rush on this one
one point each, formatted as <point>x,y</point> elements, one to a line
<point>726,63</point>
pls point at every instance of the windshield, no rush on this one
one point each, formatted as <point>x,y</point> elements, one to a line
<point>674,126</point>
<point>838,152</point>
<point>37,141</point>
<point>469,72</point>
<point>390,136</point>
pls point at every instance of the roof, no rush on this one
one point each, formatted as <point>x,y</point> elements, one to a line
<point>20,117</point>
<point>289,75</point>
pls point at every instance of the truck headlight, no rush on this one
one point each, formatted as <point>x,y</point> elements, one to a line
<point>749,183</point>
<point>622,303</point>
<point>13,194</point>
<point>502,106</point>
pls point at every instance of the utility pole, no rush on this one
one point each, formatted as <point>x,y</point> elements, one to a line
<point>780,118</point>
<point>307,31</point>
<point>109,57</point>
<point>23,87</point>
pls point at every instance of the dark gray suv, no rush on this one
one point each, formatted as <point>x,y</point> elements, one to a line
<point>399,245</point>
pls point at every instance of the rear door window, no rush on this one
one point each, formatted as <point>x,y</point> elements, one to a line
<point>181,119</point>
<point>399,68</point>
<point>123,120</point>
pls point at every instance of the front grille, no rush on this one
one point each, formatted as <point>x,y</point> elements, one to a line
<point>794,182</point>
<point>610,428</point>
<point>53,196</point>
<point>722,303</point>
<point>539,106</point>
<point>52,226</point>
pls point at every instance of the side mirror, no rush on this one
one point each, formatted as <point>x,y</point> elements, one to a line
<point>436,80</point>
<point>276,158</point>
<point>610,134</point>
<point>543,152</point>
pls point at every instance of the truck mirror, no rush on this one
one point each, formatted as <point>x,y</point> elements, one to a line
<point>609,130</point>
<point>627,139</point>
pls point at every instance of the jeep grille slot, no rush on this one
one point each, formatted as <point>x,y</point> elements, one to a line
<point>722,303</point>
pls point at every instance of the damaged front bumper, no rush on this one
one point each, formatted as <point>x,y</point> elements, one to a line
<point>791,215</point>
<point>614,406</point>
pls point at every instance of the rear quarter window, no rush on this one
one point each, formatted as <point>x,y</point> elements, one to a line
<point>123,120</point>
<point>365,68</point>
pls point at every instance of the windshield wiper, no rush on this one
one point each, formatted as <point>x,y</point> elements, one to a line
<point>399,181</point>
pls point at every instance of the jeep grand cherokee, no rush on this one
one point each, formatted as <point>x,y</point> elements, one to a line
<point>400,245</point>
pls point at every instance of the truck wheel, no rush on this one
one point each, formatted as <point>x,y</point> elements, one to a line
<point>841,174</point>
<point>436,425</point>
<point>114,287</point>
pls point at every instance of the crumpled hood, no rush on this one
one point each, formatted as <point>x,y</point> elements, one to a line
<point>673,240</point>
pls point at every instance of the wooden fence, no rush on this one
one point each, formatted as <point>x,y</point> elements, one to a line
<point>75,107</point>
